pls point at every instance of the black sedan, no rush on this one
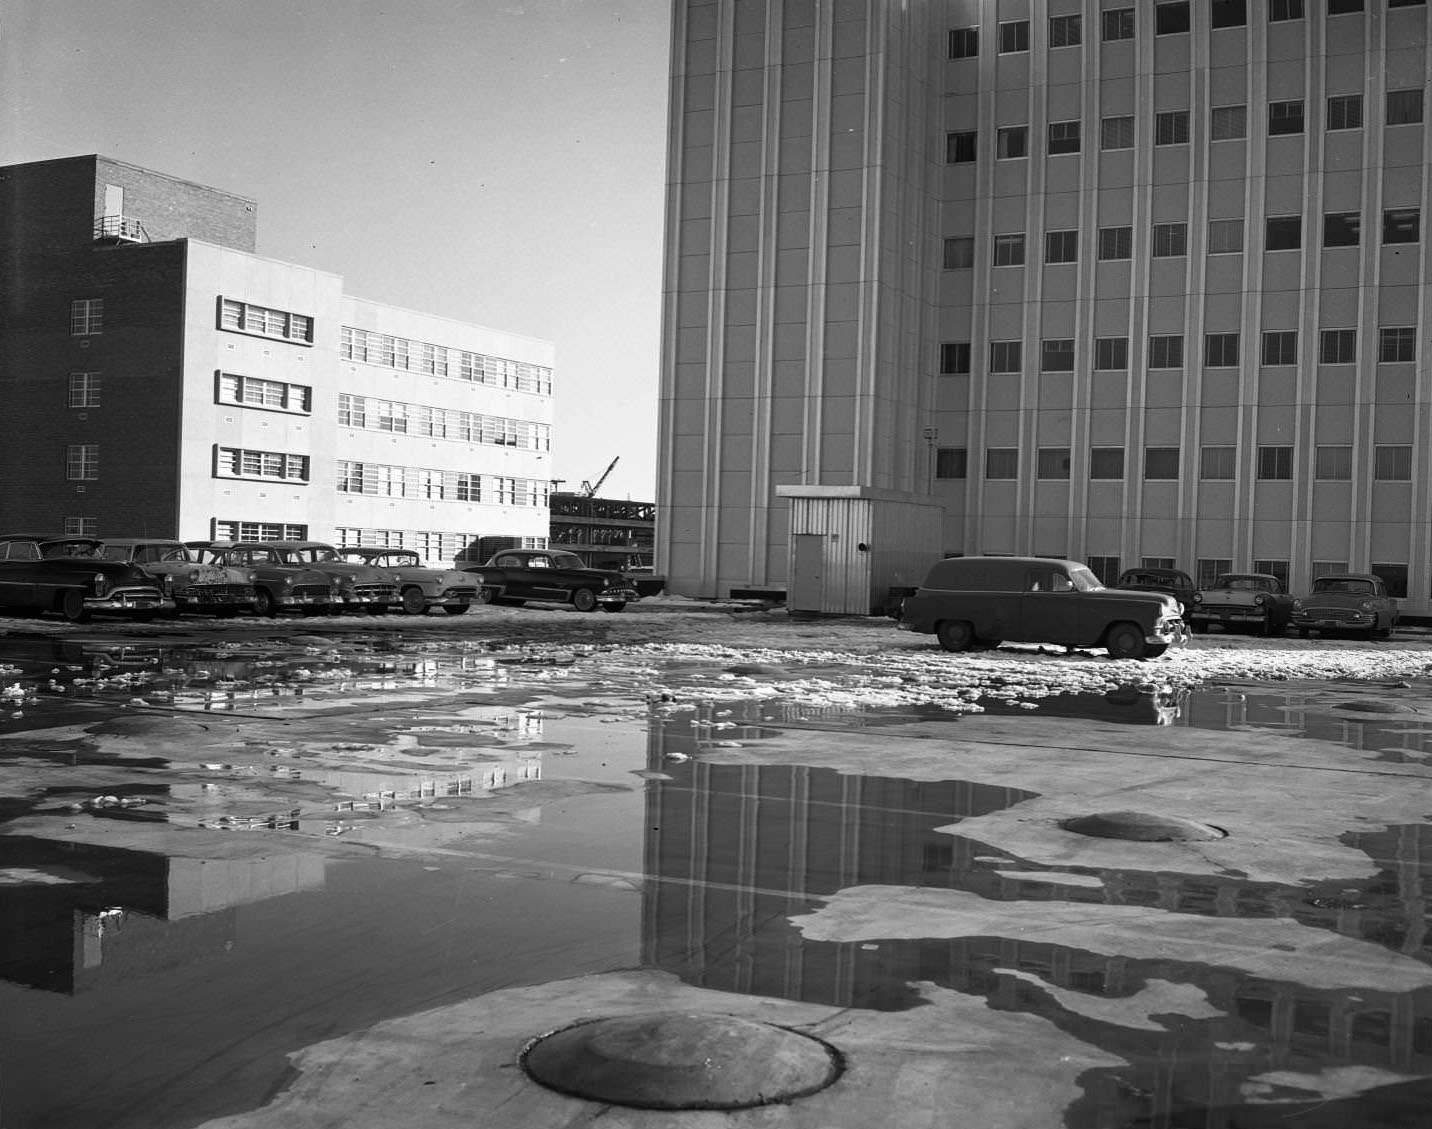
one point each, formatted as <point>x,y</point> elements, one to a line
<point>68,575</point>
<point>515,576</point>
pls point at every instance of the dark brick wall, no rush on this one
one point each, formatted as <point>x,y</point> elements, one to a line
<point>170,208</point>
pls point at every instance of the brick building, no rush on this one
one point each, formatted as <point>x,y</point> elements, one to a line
<point>158,377</point>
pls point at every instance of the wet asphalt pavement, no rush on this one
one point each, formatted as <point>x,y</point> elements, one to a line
<point>341,871</point>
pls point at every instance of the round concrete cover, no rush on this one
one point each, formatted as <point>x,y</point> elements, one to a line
<point>681,1060</point>
<point>1142,827</point>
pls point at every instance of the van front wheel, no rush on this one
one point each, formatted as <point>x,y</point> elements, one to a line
<point>1126,641</point>
<point>955,634</point>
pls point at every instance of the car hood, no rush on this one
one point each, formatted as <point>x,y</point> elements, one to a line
<point>1337,600</point>
<point>356,571</point>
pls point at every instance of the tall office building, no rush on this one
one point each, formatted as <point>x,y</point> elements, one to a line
<point>1129,283</point>
<point>159,378</point>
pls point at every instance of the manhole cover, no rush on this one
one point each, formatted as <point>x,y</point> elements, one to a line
<point>1142,827</point>
<point>681,1060</point>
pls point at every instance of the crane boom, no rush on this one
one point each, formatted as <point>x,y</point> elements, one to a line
<point>589,488</point>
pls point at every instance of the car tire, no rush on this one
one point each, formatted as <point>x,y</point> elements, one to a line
<point>616,607</point>
<point>584,600</point>
<point>1125,641</point>
<point>72,606</point>
<point>487,595</point>
<point>456,609</point>
<point>414,602</point>
<point>955,634</point>
<point>1304,632</point>
<point>264,604</point>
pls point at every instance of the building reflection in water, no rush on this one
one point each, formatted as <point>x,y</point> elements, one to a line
<point>734,851</point>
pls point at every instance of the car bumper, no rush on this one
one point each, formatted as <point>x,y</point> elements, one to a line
<point>616,596</point>
<point>1169,635</point>
<point>194,598</point>
<point>303,599</point>
<point>1334,622</point>
<point>1228,615</point>
<point>130,600</point>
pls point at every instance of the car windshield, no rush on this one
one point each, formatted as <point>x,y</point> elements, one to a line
<point>309,555</point>
<point>1245,583</point>
<point>396,560</point>
<point>68,549</point>
<point>1339,584</point>
<point>1084,580</point>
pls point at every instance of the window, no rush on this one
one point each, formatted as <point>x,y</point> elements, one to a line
<point>1012,141</point>
<point>1227,13</point>
<point>1218,463</point>
<point>1063,137</point>
<point>1105,568</point>
<point>1401,225</point>
<point>960,147</point>
<point>1158,562</point>
<point>1284,10</point>
<point>1170,19</point>
<point>1283,233</point>
<point>1225,237</point>
<point>1333,464</point>
<point>1342,229</point>
<point>1392,464</point>
<point>1404,107</point>
<point>1066,31</point>
<point>1170,239</point>
<point>1210,569</point>
<point>1009,250</point>
<point>1285,117</point>
<point>1057,355</point>
<point>1397,343</point>
<point>1116,242</point>
<point>243,317</point>
<point>1002,462</point>
<point>1337,346</point>
<point>259,531</point>
<point>82,462</point>
<point>1111,353</point>
<point>1393,576</point>
<point>1171,128</point>
<point>1160,462</point>
<point>253,391</point>
<point>964,42</point>
<point>1220,350</point>
<point>1343,8</point>
<point>1061,246</point>
<point>1345,112</point>
<point>1275,462</point>
<point>1228,123</point>
<point>236,462</point>
<point>1166,351</point>
<point>1106,463</point>
<point>84,390</point>
<point>1052,462</point>
<point>1280,347</point>
<point>959,252</point>
<point>954,357</point>
<point>1278,569</point>
<point>81,526</point>
<point>1116,24</point>
<point>951,462</point>
<point>1006,356</point>
<point>1013,36</point>
<point>1116,133</point>
<point>86,317</point>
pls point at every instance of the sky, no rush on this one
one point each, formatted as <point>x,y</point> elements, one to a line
<point>500,162</point>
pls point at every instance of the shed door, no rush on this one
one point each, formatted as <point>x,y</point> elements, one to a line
<point>807,583</point>
<point>113,200</point>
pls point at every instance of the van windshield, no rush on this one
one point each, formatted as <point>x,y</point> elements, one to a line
<point>1084,580</point>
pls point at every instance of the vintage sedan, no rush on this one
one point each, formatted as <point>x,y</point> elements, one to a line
<point>1174,581</point>
<point>68,575</point>
<point>356,587</point>
<point>419,587</point>
<point>514,576</point>
<point>278,585</point>
<point>217,589</point>
<point>1250,601</point>
<point>1346,602</point>
<point>984,601</point>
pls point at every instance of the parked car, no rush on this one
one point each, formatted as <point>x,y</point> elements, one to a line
<point>356,587</point>
<point>278,584</point>
<point>1253,601</point>
<point>194,585</point>
<point>514,576</point>
<point>1351,601</point>
<point>419,587</point>
<point>984,601</point>
<point>1174,581</point>
<point>68,575</point>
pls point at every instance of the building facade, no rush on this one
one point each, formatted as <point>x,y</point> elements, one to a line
<point>160,378</point>
<point>1128,283</point>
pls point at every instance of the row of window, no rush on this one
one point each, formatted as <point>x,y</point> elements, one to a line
<point>1173,127</point>
<point>430,545</point>
<point>406,355</point>
<point>373,414</point>
<point>1170,240</point>
<point>245,317</point>
<point>385,480</point>
<point>1173,17</point>
<point>1395,344</point>
<point>260,392</point>
<point>238,462</point>
<point>1332,463</point>
<point>234,530</point>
